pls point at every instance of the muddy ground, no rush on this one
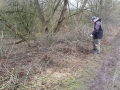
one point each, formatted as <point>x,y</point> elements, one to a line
<point>108,77</point>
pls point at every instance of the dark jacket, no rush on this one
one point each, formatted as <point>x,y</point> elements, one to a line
<point>98,31</point>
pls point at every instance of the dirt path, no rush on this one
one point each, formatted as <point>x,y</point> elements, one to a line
<point>108,77</point>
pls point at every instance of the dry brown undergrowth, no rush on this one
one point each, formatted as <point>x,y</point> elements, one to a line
<point>45,68</point>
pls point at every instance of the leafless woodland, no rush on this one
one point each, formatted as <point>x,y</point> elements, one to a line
<point>45,44</point>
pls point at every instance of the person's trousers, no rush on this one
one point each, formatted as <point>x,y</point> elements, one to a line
<point>96,45</point>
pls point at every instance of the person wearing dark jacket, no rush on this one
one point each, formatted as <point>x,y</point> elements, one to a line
<point>97,34</point>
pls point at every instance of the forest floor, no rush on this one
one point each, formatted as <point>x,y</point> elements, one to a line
<point>63,66</point>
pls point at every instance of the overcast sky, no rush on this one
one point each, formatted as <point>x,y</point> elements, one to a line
<point>73,3</point>
<point>72,0</point>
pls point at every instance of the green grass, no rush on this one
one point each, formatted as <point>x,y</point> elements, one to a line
<point>79,83</point>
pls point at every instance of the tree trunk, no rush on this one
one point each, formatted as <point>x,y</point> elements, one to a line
<point>61,16</point>
<point>45,22</point>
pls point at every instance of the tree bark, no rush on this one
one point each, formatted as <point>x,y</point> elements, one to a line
<point>45,21</point>
<point>61,16</point>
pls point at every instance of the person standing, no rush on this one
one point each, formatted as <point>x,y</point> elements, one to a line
<point>97,34</point>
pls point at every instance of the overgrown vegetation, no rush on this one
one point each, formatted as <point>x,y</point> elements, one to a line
<point>44,44</point>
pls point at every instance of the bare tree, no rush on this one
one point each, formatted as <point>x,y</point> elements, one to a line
<point>61,16</point>
<point>46,20</point>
